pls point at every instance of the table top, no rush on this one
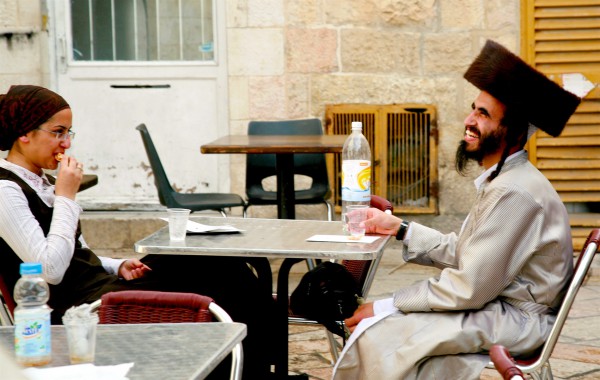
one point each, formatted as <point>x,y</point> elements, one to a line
<point>276,144</point>
<point>274,238</point>
<point>159,351</point>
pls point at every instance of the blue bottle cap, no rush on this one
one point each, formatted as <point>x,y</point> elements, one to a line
<point>30,268</point>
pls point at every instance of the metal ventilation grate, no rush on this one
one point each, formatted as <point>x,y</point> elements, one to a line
<point>403,141</point>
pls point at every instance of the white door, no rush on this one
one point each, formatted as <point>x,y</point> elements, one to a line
<point>120,63</point>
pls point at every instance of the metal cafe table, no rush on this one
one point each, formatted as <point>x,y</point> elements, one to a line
<point>158,351</point>
<point>284,147</point>
<point>268,238</point>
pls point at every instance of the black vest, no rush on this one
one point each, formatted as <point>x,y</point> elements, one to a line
<point>85,275</point>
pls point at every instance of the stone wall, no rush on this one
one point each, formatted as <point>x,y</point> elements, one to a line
<point>290,58</point>
<point>23,43</point>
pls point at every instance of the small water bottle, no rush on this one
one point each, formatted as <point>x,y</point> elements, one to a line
<point>356,171</point>
<point>32,317</point>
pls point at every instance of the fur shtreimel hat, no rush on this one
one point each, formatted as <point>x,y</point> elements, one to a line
<point>516,84</point>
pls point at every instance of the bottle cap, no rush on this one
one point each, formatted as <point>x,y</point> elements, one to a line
<point>30,268</point>
<point>356,125</point>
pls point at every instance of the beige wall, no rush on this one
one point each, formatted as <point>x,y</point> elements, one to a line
<point>290,58</point>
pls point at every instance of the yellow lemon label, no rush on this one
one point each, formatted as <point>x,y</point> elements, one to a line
<point>356,180</point>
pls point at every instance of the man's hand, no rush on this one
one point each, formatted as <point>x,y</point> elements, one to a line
<point>364,311</point>
<point>378,222</point>
<point>132,269</point>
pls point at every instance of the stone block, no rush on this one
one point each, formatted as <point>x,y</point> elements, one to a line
<point>303,12</point>
<point>255,51</point>
<point>418,13</point>
<point>29,14</point>
<point>265,13</point>
<point>446,53</point>
<point>311,50</point>
<point>238,97</point>
<point>502,14</point>
<point>8,14</point>
<point>237,13</point>
<point>356,12</point>
<point>461,14</point>
<point>267,98</point>
<point>297,90</point>
<point>380,51</point>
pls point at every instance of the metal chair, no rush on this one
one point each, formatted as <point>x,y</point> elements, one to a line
<point>173,199</point>
<point>261,166</point>
<point>142,306</point>
<point>363,272</point>
<point>539,366</point>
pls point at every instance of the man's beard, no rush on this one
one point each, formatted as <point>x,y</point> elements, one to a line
<point>489,143</point>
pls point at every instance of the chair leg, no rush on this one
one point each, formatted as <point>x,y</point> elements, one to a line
<point>329,211</point>
<point>333,346</point>
<point>223,213</point>
<point>546,372</point>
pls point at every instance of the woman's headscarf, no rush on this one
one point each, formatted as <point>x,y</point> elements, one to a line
<point>24,108</point>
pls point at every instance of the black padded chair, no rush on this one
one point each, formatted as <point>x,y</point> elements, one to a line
<point>173,199</point>
<point>261,166</point>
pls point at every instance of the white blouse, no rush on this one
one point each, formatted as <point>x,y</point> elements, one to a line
<point>22,232</point>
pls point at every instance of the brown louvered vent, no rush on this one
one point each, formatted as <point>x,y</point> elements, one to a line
<point>563,37</point>
<point>403,141</point>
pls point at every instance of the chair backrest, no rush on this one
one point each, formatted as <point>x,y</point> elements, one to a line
<point>8,304</point>
<point>165,190</point>
<point>261,166</point>
<point>582,266</point>
<point>138,306</point>
<point>361,269</point>
<point>145,306</point>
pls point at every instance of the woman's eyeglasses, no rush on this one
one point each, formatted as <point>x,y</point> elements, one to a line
<point>63,136</point>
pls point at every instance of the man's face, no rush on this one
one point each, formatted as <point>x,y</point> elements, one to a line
<point>484,135</point>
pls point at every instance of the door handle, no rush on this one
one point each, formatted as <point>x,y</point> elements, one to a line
<point>140,86</point>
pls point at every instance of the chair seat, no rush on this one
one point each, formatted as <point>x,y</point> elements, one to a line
<point>206,201</point>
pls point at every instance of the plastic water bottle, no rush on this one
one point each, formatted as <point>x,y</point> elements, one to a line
<point>356,171</point>
<point>32,317</point>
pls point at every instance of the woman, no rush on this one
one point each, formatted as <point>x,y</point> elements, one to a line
<point>39,222</point>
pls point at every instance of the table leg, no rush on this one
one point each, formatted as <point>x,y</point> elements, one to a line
<point>284,165</point>
<point>281,360</point>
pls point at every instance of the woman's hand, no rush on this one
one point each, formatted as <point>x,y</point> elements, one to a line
<point>378,222</point>
<point>132,269</point>
<point>363,311</point>
<point>70,173</point>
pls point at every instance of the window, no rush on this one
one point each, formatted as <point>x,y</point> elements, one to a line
<point>142,30</point>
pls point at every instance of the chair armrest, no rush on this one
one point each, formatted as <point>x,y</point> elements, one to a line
<point>504,363</point>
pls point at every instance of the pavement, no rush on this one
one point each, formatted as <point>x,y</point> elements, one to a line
<point>576,356</point>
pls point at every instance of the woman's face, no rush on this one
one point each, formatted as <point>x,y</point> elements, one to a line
<point>44,142</point>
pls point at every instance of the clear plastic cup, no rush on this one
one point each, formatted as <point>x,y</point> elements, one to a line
<point>178,218</point>
<point>81,337</point>
<point>355,215</point>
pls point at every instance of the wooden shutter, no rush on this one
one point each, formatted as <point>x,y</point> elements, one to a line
<point>562,37</point>
<point>403,141</point>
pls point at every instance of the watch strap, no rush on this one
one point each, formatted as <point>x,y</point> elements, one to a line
<point>402,230</point>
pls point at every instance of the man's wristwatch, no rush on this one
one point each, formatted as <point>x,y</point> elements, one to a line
<point>402,230</point>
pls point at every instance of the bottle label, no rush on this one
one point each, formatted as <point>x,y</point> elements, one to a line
<point>356,180</point>
<point>32,333</point>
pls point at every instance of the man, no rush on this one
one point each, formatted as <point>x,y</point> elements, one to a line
<point>504,276</point>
